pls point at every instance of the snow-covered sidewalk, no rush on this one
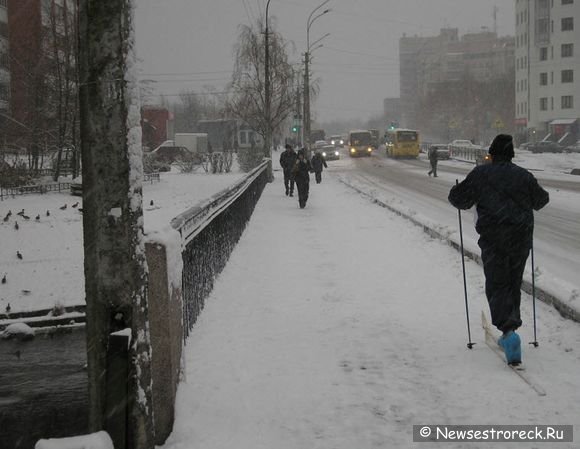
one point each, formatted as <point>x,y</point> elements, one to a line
<point>342,326</point>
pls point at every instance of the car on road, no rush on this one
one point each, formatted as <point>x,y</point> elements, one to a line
<point>464,143</point>
<point>330,153</point>
<point>573,148</point>
<point>337,141</point>
<point>442,151</point>
<point>319,144</point>
<point>545,146</point>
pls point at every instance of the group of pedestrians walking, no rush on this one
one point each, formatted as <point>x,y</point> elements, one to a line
<point>505,196</point>
<point>297,169</point>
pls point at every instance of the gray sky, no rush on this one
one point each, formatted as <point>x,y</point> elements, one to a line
<point>188,43</point>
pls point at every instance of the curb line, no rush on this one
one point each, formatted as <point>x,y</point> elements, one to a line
<point>564,309</point>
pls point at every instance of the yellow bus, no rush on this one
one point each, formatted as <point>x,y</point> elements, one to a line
<point>359,143</point>
<point>402,143</point>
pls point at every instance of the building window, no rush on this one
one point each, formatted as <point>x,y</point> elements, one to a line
<point>544,79</point>
<point>567,76</point>
<point>544,103</point>
<point>567,2</point>
<point>567,50</point>
<point>4,3</point>
<point>543,53</point>
<point>567,102</point>
<point>4,61</point>
<point>568,24</point>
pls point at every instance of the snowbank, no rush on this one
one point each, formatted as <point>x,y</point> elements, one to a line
<point>99,440</point>
<point>21,331</point>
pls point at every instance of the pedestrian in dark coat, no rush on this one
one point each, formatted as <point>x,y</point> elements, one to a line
<point>432,155</point>
<point>505,196</point>
<point>287,161</point>
<point>317,163</point>
<point>301,172</point>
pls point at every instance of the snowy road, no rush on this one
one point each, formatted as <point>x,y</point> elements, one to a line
<point>557,233</point>
<point>342,325</point>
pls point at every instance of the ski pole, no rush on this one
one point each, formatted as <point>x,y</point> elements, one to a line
<point>535,342</point>
<point>470,344</point>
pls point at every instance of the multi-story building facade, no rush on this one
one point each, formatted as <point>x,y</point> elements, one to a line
<point>548,69</point>
<point>4,60</point>
<point>37,58</point>
<point>426,62</point>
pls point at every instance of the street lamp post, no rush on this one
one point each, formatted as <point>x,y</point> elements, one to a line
<point>309,23</point>
<point>268,136</point>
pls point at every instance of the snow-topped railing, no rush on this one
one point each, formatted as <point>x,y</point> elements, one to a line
<point>467,153</point>
<point>209,234</point>
<point>194,220</point>
<point>183,263</point>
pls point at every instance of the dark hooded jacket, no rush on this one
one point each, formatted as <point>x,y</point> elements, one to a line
<point>287,160</point>
<point>318,162</point>
<point>505,196</point>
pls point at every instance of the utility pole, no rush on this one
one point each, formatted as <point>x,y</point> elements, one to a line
<point>118,344</point>
<point>306,102</point>
<point>267,99</point>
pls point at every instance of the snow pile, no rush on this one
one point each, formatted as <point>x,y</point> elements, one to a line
<point>99,440</point>
<point>21,331</point>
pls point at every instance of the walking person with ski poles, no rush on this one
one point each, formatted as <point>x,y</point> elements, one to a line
<point>505,196</point>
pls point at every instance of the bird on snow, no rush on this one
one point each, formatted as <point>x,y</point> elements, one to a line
<point>151,203</point>
<point>4,278</point>
<point>21,212</point>
<point>16,225</point>
<point>7,217</point>
<point>38,217</point>
<point>26,217</point>
<point>9,213</point>
<point>19,255</point>
<point>63,207</point>
<point>75,204</point>
<point>48,213</point>
<point>8,308</point>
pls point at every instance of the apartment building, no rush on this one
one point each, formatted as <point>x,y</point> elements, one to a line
<point>428,61</point>
<point>548,70</point>
<point>35,37</point>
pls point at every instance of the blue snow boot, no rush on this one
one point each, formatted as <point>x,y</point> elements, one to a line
<point>512,346</point>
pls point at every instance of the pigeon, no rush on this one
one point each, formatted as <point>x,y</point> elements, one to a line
<point>151,203</point>
<point>81,210</point>
<point>4,279</point>
<point>75,204</point>
<point>38,217</point>
<point>48,213</point>
<point>9,213</point>
<point>6,218</point>
<point>26,217</point>
<point>63,207</point>
<point>19,255</point>
<point>8,308</point>
<point>21,212</point>
<point>16,225</point>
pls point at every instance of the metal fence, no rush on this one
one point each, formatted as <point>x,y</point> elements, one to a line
<point>39,188</point>
<point>209,233</point>
<point>467,153</point>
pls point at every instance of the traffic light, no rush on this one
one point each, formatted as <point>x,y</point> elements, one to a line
<point>295,128</point>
